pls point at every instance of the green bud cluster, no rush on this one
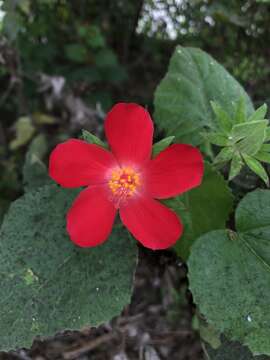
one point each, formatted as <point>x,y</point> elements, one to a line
<point>243,139</point>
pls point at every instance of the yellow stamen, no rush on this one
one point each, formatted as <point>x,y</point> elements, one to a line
<point>123,184</point>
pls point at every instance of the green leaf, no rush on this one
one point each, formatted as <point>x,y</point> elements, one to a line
<point>241,131</point>
<point>253,142</point>
<point>231,350</point>
<point>223,118</point>
<point>209,334</point>
<point>182,99</point>
<point>229,275</point>
<point>43,119</point>
<point>25,6</point>
<point>24,132</point>
<point>218,139</point>
<point>263,156</point>
<point>106,58</point>
<point>162,145</point>
<point>240,112</point>
<point>265,147</point>
<point>76,52</point>
<point>259,114</point>
<point>92,35</point>
<point>92,139</point>
<point>202,209</point>
<point>224,155</point>
<point>256,167</point>
<point>35,173</point>
<point>267,134</point>
<point>236,166</point>
<point>47,283</point>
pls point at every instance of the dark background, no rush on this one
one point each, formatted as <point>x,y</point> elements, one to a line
<point>63,64</point>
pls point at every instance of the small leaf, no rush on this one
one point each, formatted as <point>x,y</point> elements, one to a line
<point>256,167</point>
<point>259,114</point>
<point>106,58</point>
<point>236,166</point>
<point>24,132</point>
<point>76,52</point>
<point>35,173</point>
<point>265,147</point>
<point>241,131</point>
<point>92,139</point>
<point>43,119</point>
<point>213,197</point>
<point>92,35</point>
<point>25,6</point>
<point>209,334</point>
<point>224,155</point>
<point>253,141</point>
<point>240,112</point>
<point>267,134</point>
<point>218,139</point>
<point>161,145</point>
<point>206,148</point>
<point>223,118</point>
<point>263,156</point>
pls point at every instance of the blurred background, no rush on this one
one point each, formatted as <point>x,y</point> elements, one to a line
<point>64,63</point>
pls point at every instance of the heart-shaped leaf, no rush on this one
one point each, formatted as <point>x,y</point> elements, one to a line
<point>182,99</point>
<point>229,275</point>
<point>47,284</point>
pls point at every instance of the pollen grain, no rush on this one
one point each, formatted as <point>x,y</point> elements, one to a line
<point>123,184</point>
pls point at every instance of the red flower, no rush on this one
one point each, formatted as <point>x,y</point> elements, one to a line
<point>126,179</point>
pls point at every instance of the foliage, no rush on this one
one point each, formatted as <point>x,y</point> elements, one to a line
<point>61,61</point>
<point>50,39</point>
<point>229,274</point>
<point>202,209</point>
<point>35,172</point>
<point>242,139</point>
<point>161,145</point>
<point>24,132</point>
<point>182,100</point>
<point>231,350</point>
<point>49,284</point>
<point>234,31</point>
<point>93,139</point>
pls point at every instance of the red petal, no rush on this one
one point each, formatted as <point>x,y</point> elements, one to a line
<point>91,217</point>
<point>175,170</point>
<point>76,163</point>
<point>151,223</point>
<point>129,130</point>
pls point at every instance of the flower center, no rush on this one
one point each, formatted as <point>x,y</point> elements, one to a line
<point>123,184</point>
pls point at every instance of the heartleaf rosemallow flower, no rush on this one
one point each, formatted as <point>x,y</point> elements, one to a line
<point>125,179</point>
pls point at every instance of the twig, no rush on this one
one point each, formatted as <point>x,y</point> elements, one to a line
<point>69,355</point>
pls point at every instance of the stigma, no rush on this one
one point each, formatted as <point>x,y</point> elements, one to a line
<point>123,184</point>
